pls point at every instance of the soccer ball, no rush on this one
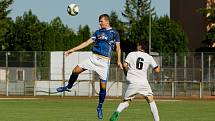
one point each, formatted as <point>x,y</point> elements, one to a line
<point>73,9</point>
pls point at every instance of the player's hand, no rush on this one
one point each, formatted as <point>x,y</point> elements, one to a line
<point>120,65</point>
<point>67,52</point>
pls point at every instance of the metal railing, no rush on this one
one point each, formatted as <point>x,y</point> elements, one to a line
<point>40,73</point>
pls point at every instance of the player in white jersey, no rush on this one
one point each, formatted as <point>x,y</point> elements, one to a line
<point>136,65</point>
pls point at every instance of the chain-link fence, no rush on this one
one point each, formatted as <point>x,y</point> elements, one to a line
<point>40,73</point>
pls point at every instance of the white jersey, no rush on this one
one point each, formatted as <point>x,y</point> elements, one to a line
<point>138,64</point>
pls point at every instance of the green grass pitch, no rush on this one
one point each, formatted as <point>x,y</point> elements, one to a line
<point>72,109</point>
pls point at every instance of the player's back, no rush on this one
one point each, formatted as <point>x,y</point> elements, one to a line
<point>138,64</point>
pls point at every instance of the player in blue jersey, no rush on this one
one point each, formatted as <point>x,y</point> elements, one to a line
<point>105,40</point>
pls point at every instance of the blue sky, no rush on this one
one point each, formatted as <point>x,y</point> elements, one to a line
<point>47,10</point>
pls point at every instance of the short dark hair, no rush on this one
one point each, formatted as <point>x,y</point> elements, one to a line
<point>106,16</point>
<point>143,45</point>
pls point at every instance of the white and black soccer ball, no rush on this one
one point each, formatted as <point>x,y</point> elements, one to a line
<point>73,9</point>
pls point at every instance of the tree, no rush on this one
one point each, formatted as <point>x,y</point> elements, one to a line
<point>82,35</point>
<point>117,24</point>
<point>121,27</point>
<point>62,37</point>
<point>166,35</point>
<point>137,13</point>
<point>209,15</point>
<point>5,22</point>
<point>58,31</point>
<point>27,32</point>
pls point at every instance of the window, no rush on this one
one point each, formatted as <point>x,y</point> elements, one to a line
<point>20,75</point>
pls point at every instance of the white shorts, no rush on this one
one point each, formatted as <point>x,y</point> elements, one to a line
<point>98,64</point>
<point>134,89</point>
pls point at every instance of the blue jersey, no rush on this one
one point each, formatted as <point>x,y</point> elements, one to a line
<point>105,40</point>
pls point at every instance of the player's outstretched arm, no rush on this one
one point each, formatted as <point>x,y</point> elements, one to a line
<point>82,45</point>
<point>118,51</point>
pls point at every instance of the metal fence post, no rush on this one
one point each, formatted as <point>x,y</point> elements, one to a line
<point>202,79</point>
<point>173,89</point>
<point>63,73</point>
<point>117,82</point>
<point>185,71</point>
<point>161,77</point>
<point>175,76</point>
<point>7,83</point>
<point>35,71</point>
<point>209,72</point>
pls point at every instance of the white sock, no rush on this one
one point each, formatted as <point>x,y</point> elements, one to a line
<point>154,111</point>
<point>122,106</point>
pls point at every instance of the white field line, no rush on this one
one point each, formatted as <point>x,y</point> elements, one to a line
<point>162,100</point>
<point>18,98</point>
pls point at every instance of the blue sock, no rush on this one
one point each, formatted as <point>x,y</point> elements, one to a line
<point>102,95</point>
<point>72,79</point>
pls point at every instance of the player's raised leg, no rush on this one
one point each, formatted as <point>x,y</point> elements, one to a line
<point>119,109</point>
<point>102,95</point>
<point>153,107</point>
<point>73,77</point>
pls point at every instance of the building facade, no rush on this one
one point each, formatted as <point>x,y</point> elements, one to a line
<point>187,14</point>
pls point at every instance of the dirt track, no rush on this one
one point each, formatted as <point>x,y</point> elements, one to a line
<point>96,97</point>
